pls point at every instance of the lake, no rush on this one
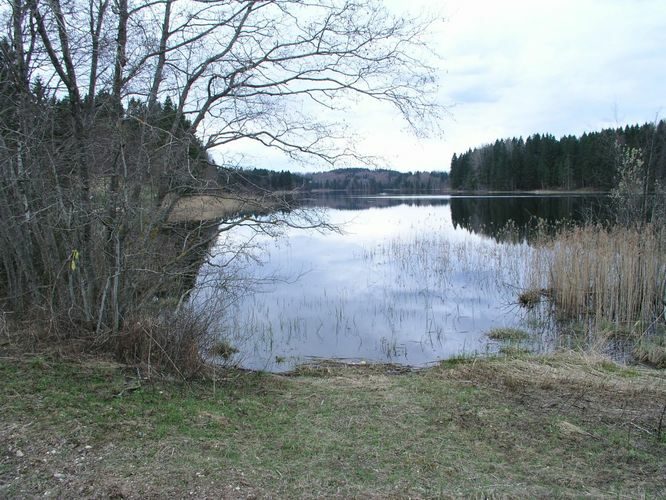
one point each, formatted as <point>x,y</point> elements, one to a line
<point>407,279</point>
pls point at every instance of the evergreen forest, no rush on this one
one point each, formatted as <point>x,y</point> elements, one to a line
<point>543,162</point>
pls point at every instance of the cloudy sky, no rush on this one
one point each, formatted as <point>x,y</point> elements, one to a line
<point>514,68</point>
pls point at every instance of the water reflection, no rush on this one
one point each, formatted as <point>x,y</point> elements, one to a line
<point>331,200</point>
<point>485,214</point>
<point>492,215</point>
<point>408,280</point>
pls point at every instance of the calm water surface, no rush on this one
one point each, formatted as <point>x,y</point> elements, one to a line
<point>409,280</point>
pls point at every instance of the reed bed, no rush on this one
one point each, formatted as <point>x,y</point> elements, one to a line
<point>608,275</point>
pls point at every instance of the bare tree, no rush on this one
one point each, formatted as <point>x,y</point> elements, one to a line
<point>111,109</point>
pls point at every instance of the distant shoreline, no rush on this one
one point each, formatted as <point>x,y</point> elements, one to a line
<point>454,192</point>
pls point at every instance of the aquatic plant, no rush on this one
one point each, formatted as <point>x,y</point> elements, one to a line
<point>531,297</point>
<point>508,334</point>
<point>607,284</point>
<point>615,274</point>
<point>222,348</point>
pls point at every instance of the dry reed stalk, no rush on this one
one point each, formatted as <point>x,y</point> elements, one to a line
<point>612,275</point>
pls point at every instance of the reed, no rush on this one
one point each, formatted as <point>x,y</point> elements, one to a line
<point>651,349</point>
<point>614,275</point>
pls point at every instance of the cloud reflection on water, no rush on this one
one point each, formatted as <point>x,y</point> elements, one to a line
<point>399,284</point>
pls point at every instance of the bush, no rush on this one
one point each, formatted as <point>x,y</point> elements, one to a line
<point>170,342</point>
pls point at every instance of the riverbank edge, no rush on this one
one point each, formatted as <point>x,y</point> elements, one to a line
<point>564,424</point>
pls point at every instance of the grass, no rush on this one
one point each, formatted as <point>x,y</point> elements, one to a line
<point>222,348</point>
<point>651,350</point>
<point>508,334</point>
<point>530,298</point>
<point>561,425</point>
<point>513,350</point>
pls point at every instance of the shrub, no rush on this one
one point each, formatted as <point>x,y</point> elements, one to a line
<point>171,342</point>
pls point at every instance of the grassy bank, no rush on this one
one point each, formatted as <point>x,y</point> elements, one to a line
<point>561,425</point>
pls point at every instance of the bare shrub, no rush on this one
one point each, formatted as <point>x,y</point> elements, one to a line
<point>167,343</point>
<point>638,196</point>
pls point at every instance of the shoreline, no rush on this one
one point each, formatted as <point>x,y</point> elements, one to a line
<point>488,427</point>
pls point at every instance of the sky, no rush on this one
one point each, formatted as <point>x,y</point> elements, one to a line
<point>514,68</point>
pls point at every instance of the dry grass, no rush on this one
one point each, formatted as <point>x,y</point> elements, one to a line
<point>208,207</point>
<point>612,275</point>
<point>616,274</point>
<point>563,426</point>
<point>532,297</point>
<point>651,349</point>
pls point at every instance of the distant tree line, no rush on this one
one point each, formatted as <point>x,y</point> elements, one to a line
<point>252,179</point>
<point>357,180</point>
<point>543,162</point>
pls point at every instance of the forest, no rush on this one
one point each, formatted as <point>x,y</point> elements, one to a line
<point>540,162</point>
<point>352,180</point>
<point>543,162</point>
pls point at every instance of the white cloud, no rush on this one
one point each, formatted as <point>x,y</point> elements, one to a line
<point>515,68</point>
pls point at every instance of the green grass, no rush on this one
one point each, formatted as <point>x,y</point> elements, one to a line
<point>513,350</point>
<point>527,426</point>
<point>508,334</point>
